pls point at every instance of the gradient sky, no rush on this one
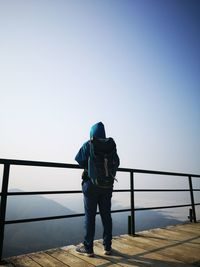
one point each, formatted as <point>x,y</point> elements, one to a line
<point>134,65</point>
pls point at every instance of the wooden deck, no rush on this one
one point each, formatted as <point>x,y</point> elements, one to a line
<point>172,246</point>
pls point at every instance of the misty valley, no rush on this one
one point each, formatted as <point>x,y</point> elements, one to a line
<point>36,236</point>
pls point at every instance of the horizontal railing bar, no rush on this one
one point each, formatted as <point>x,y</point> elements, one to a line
<point>75,166</point>
<point>43,193</point>
<point>165,173</point>
<point>79,191</point>
<point>121,210</point>
<point>165,207</point>
<point>125,170</point>
<point>82,214</point>
<point>44,218</point>
<point>122,190</point>
<point>39,163</point>
<point>56,217</point>
<point>55,192</point>
<point>161,190</point>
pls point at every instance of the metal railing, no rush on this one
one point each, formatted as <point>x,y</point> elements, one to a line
<point>5,194</point>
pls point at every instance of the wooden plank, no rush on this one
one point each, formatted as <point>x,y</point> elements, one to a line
<point>192,226</point>
<point>118,257</point>
<point>96,261</point>
<point>20,261</point>
<point>175,232</point>
<point>147,243</point>
<point>147,255</point>
<point>6,264</point>
<point>43,259</point>
<point>124,248</point>
<point>186,231</point>
<point>182,236</point>
<point>190,230</point>
<point>176,250</point>
<point>168,235</point>
<point>191,233</point>
<point>175,236</point>
<point>69,259</point>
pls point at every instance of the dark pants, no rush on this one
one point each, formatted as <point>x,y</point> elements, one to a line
<point>94,196</point>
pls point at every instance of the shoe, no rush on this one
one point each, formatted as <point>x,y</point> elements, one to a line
<point>107,252</point>
<point>82,251</point>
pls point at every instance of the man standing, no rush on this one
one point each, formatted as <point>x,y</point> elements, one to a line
<point>100,161</point>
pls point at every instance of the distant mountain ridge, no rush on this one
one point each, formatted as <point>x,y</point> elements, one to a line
<point>33,206</point>
<point>26,237</point>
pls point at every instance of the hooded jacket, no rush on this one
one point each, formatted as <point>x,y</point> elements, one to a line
<point>98,131</point>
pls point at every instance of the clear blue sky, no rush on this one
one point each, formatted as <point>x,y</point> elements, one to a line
<point>134,65</point>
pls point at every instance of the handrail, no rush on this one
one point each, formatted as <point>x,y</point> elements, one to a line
<point>4,193</point>
<point>75,166</point>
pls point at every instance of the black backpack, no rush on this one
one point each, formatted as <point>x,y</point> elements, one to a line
<point>103,162</point>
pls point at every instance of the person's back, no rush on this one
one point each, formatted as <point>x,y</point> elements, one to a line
<point>94,193</point>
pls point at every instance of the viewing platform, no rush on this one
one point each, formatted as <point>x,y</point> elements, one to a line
<point>172,246</point>
<point>177,245</point>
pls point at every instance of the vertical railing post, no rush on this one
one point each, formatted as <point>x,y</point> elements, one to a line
<point>192,199</point>
<point>4,191</point>
<point>132,203</point>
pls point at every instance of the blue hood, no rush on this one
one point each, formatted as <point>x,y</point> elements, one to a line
<point>98,130</point>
